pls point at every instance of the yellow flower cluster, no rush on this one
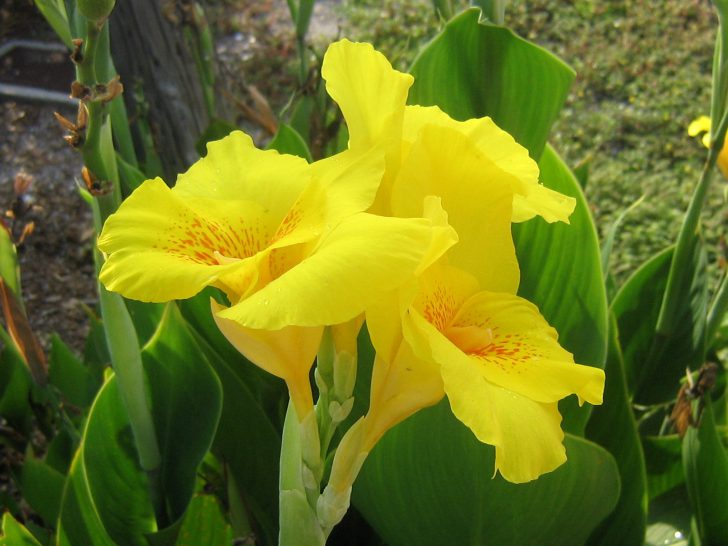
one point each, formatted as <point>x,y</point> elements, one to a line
<point>411,225</point>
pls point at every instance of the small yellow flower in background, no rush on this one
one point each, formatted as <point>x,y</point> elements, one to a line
<point>457,328</point>
<point>702,125</point>
<point>284,240</point>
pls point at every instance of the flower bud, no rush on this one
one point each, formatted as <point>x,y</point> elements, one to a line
<point>96,10</point>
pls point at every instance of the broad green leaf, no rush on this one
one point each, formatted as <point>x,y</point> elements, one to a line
<point>288,141</point>
<point>79,521</point>
<point>247,440</point>
<point>266,388</point>
<point>612,425</point>
<point>75,380</point>
<point>473,70</point>
<point>42,488</point>
<point>204,524</point>
<point>433,488</point>
<point>119,487</point>
<point>655,363</point>
<point>186,399</point>
<point>663,463</point>
<point>706,478</point>
<point>561,273</point>
<point>14,534</point>
<point>664,534</point>
<point>669,519</point>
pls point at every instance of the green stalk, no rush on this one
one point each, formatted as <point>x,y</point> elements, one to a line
<point>99,158</point>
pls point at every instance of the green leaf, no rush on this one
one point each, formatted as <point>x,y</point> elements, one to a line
<point>663,463</point>
<point>655,363</point>
<point>119,487</point>
<point>79,521</point>
<point>288,141</point>
<point>54,12</point>
<point>15,384</point>
<point>131,177</point>
<point>14,534</point>
<point>612,425</point>
<point>706,477</point>
<point>561,273</point>
<point>204,524</point>
<point>669,519</point>
<point>425,488</point>
<point>247,441</point>
<point>216,129</point>
<point>42,488</point>
<point>76,381</point>
<point>9,270</point>
<point>186,399</point>
<point>472,70</point>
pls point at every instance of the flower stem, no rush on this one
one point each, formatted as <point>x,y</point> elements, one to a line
<point>99,158</point>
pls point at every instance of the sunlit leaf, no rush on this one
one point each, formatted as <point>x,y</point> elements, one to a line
<point>473,70</point>
<point>612,425</point>
<point>14,534</point>
<point>425,488</point>
<point>654,363</point>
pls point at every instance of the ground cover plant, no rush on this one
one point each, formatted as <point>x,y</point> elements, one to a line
<point>371,331</point>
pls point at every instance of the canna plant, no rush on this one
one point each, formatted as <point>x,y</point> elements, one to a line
<point>441,270</point>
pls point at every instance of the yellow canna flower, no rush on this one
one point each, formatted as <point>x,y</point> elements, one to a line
<point>375,112</point>
<point>702,125</point>
<point>284,240</point>
<point>457,328</point>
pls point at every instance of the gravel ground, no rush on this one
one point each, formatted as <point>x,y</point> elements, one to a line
<point>56,261</point>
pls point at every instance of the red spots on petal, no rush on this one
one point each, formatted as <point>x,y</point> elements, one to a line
<point>439,307</point>
<point>197,239</point>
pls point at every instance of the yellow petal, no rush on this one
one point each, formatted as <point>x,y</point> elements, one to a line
<point>499,147</point>
<point>351,180</point>
<point>161,247</point>
<point>234,169</point>
<point>477,196</point>
<point>360,260</point>
<point>443,237</point>
<point>399,389</point>
<point>520,351</point>
<point>527,435</point>
<point>370,93</point>
<point>372,96</point>
<point>699,125</point>
<point>287,353</point>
